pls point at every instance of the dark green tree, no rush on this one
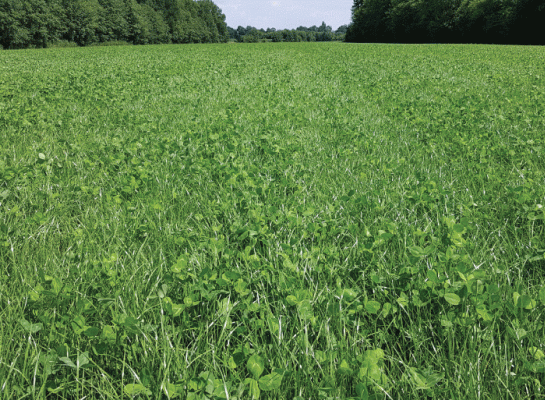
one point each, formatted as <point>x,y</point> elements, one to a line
<point>324,28</point>
<point>83,18</point>
<point>479,21</point>
<point>14,33</point>
<point>342,29</point>
<point>527,22</point>
<point>370,22</point>
<point>214,20</point>
<point>484,21</point>
<point>114,24</point>
<point>25,23</point>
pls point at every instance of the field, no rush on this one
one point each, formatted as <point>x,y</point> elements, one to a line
<point>274,221</point>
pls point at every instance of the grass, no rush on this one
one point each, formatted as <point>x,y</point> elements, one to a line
<point>275,221</point>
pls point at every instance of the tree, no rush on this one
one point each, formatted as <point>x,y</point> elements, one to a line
<point>324,28</point>
<point>527,21</point>
<point>214,20</point>
<point>481,21</point>
<point>25,23</point>
<point>253,36</point>
<point>370,22</point>
<point>36,23</point>
<point>82,20</point>
<point>14,33</point>
<point>407,21</point>
<point>276,36</point>
<point>146,25</point>
<point>114,24</point>
<point>342,29</point>
<point>240,32</point>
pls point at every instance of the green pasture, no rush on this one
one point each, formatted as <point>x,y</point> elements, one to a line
<point>273,221</point>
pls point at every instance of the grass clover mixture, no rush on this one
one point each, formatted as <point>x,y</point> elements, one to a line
<point>274,221</point>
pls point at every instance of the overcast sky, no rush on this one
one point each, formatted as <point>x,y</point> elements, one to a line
<point>285,14</point>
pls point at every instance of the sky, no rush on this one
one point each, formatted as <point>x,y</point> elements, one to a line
<point>285,14</point>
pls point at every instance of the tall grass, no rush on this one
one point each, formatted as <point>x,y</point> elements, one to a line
<point>287,221</point>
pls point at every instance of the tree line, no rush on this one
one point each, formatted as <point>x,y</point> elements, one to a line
<point>322,33</point>
<point>40,23</point>
<point>451,21</point>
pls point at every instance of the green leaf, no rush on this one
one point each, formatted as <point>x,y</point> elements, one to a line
<point>29,327</point>
<point>219,390</point>
<point>542,294</point>
<point>344,368</point>
<point>458,228</point>
<point>536,353</point>
<point>78,324</point>
<point>56,286</point>
<point>452,299</point>
<point>386,309</point>
<point>432,275</point>
<point>173,309</point>
<point>231,362</point>
<point>362,392</point>
<point>372,307</point>
<point>484,314</point>
<point>208,378</point>
<point>197,384</point>
<point>270,382</point>
<point>305,310</point>
<point>526,302</point>
<point>518,333</point>
<point>348,294</point>
<point>424,379</point>
<point>108,333</point>
<point>83,359</point>
<point>241,287</point>
<point>403,300</point>
<point>538,366</point>
<point>516,298</point>
<point>129,323</point>
<point>91,331</point>
<point>255,365</point>
<point>371,368</point>
<point>134,389</point>
<point>49,362</point>
<point>172,391</point>
<point>417,251</point>
<point>291,299</point>
<point>68,362</point>
<point>253,388</point>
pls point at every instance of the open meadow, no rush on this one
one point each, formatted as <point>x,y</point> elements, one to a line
<point>274,221</point>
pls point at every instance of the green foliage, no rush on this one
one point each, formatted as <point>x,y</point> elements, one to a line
<point>468,21</point>
<point>323,33</point>
<point>338,221</point>
<point>39,23</point>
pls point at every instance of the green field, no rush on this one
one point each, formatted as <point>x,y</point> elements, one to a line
<point>276,221</point>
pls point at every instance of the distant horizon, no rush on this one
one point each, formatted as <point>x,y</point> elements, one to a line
<point>281,29</point>
<point>285,14</point>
